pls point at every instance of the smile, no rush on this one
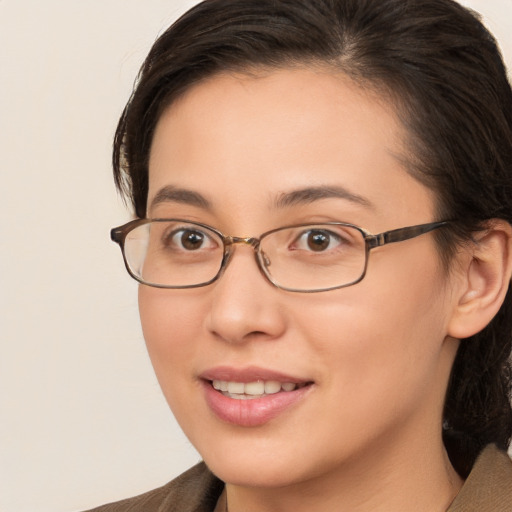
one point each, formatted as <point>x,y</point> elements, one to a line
<point>252,390</point>
<point>252,396</point>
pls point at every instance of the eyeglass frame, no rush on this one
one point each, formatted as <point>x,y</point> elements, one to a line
<point>119,234</point>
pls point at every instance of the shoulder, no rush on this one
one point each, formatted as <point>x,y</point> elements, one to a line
<point>488,486</point>
<point>196,490</point>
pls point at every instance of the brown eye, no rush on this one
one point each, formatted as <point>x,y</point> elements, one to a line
<point>318,240</point>
<point>192,240</point>
<point>188,239</point>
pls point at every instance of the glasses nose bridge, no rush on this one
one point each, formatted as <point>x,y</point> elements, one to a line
<point>248,240</point>
<point>231,241</point>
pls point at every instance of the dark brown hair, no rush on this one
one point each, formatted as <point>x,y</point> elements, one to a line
<point>443,71</point>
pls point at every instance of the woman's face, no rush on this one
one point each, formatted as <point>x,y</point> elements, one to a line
<point>371,361</point>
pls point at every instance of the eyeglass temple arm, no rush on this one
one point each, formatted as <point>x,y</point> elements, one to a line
<point>400,234</point>
<point>118,234</point>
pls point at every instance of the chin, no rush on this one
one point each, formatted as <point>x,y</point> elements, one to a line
<point>262,461</point>
<point>247,473</point>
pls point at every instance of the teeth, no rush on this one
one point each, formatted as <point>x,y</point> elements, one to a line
<point>236,387</point>
<point>272,386</point>
<point>252,388</point>
<point>255,389</point>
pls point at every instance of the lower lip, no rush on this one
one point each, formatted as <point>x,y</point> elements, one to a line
<point>252,412</point>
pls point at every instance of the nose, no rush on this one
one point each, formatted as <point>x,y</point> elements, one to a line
<point>244,305</point>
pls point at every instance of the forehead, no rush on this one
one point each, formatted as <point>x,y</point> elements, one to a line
<point>272,132</point>
<point>270,99</point>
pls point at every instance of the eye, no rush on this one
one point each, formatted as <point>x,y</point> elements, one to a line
<point>317,240</point>
<point>190,239</point>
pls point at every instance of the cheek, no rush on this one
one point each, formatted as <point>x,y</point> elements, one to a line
<point>382,337</point>
<point>170,323</point>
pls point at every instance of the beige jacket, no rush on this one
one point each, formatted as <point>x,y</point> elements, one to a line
<point>487,489</point>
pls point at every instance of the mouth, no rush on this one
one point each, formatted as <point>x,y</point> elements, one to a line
<point>254,390</point>
<point>253,396</point>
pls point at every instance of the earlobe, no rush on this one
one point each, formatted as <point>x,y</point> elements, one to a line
<point>486,274</point>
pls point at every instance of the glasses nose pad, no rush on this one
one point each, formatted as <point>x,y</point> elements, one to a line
<point>265,261</point>
<point>226,258</point>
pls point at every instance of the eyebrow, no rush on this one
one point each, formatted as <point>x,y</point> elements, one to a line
<point>180,195</point>
<point>301,196</point>
<point>312,194</point>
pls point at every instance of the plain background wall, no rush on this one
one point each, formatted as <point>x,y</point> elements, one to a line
<point>82,420</point>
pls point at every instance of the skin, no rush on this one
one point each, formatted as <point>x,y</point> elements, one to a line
<point>367,436</point>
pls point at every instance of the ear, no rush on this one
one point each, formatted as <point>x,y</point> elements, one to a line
<point>485,278</point>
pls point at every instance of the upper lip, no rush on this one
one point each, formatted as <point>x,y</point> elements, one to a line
<point>249,374</point>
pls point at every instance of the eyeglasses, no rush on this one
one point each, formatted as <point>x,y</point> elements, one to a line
<point>176,253</point>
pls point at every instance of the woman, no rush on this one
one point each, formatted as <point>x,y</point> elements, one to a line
<point>324,247</point>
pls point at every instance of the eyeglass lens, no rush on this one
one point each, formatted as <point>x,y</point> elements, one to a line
<point>307,257</point>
